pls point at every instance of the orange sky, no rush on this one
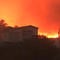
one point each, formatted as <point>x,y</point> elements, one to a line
<point>45,14</point>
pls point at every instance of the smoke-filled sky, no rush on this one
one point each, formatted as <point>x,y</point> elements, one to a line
<point>45,14</point>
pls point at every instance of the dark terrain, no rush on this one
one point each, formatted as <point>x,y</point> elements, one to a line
<point>29,49</point>
<point>34,48</point>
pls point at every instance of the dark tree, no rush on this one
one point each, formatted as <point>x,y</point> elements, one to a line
<point>2,23</point>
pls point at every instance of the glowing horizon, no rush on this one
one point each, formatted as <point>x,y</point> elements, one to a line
<point>54,35</point>
<point>45,14</point>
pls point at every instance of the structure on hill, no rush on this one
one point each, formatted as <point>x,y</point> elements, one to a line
<point>18,34</point>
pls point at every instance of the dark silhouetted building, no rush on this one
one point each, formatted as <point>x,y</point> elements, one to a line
<point>19,33</point>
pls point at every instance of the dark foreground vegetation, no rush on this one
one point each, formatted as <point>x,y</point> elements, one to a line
<point>29,49</point>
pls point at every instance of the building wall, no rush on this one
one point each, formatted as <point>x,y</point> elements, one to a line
<point>15,35</point>
<point>18,34</point>
<point>29,32</point>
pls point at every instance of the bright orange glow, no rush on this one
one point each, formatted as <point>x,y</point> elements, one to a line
<point>45,14</point>
<point>55,35</point>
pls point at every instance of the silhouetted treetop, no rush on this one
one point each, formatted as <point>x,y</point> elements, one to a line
<point>2,23</point>
<point>16,26</point>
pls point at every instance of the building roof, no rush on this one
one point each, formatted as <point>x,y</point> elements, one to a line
<point>29,26</point>
<point>18,28</point>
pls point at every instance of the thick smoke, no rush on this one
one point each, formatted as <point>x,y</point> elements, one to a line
<point>46,14</point>
<point>42,13</point>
